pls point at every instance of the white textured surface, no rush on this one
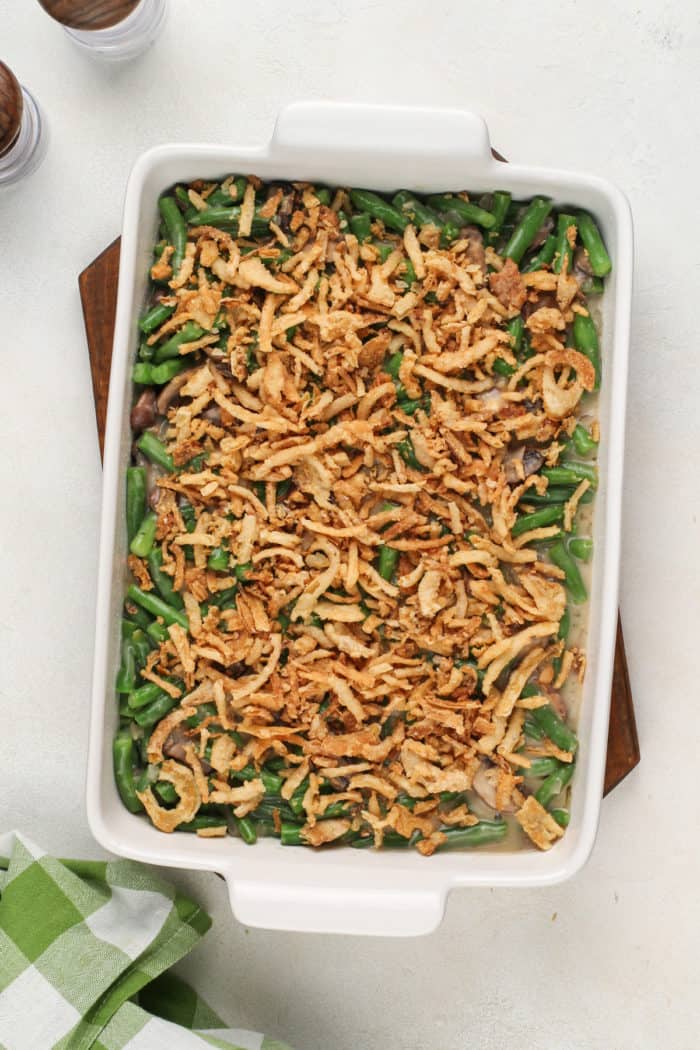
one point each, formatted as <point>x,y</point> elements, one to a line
<point>609,959</point>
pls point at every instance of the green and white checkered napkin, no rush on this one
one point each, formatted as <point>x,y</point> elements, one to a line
<point>84,950</point>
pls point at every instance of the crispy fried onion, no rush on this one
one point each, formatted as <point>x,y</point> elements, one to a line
<point>189,798</point>
<point>352,450</point>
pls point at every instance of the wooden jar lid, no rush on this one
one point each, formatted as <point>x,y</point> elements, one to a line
<point>10,108</point>
<point>89,14</point>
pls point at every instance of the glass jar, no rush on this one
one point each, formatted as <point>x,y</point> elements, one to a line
<point>23,136</point>
<point>112,30</point>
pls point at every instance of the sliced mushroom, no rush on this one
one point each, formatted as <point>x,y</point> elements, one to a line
<point>175,748</point>
<point>543,232</point>
<point>530,459</point>
<point>171,390</point>
<point>476,253</point>
<point>143,414</point>
<point>484,784</point>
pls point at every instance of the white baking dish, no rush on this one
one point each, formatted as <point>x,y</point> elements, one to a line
<point>345,890</point>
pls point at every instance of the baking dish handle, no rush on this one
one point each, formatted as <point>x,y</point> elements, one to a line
<point>390,912</point>
<point>397,131</point>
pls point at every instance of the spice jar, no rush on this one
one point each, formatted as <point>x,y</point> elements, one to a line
<point>115,30</point>
<point>22,129</point>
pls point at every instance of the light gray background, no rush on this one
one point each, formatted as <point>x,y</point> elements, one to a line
<point>609,960</point>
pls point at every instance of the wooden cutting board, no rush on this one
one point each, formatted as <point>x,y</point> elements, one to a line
<point>98,292</point>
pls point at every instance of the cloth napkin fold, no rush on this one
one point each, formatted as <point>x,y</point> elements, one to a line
<point>85,947</point>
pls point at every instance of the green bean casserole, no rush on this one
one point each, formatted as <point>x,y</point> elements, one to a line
<point>358,515</point>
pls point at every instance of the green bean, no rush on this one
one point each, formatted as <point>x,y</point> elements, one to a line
<point>581,548</point>
<point>201,821</point>
<point>384,250</point>
<point>568,472</point>
<point>142,543</point>
<point>296,802</point>
<point>484,833</point>
<point>154,449</point>
<point>468,213</point>
<point>148,778</point>
<point>290,835</point>
<point>593,286</point>
<point>218,560</point>
<point>562,817</point>
<point>548,722</point>
<point>323,195</point>
<point>542,767</point>
<point>188,515</point>
<point>271,782</point>
<point>516,331</point>
<point>171,347</point>
<point>138,616</point>
<point>499,208</point>
<point>388,560</point>
<point>502,368</point>
<point>593,243</point>
<point>363,842</point>
<point>203,711</point>
<point>156,606</point>
<point>554,494</point>
<point>532,730</point>
<point>564,251</point>
<point>142,373</point>
<point>175,228</point>
<point>409,274</point>
<point>419,214</point>
<point>391,840</point>
<point>408,454</point>
<point>551,515</point>
<point>128,628</point>
<point>246,829</point>
<point>126,676</point>
<point>157,632</point>
<point>241,571</point>
<point>361,226</point>
<point>572,577</point>
<point>554,784</point>
<point>148,716</point>
<point>183,196</point>
<point>142,647</point>
<point>162,374</point>
<point>247,773</point>
<point>564,625</point>
<point>166,792</point>
<point>410,406</point>
<point>393,364</point>
<point>582,441</point>
<point>270,805</point>
<point>145,695</point>
<point>135,500</point>
<point>586,342</point>
<point>335,811</point>
<point>543,257</point>
<point>225,599</point>
<point>123,762</point>
<point>378,208</point>
<point>155,317</point>
<point>228,219</point>
<point>162,581</point>
<point>525,232</point>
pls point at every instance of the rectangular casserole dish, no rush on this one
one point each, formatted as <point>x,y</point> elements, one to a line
<point>342,890</point>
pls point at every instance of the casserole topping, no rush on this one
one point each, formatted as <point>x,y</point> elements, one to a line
<point>360,460</point>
